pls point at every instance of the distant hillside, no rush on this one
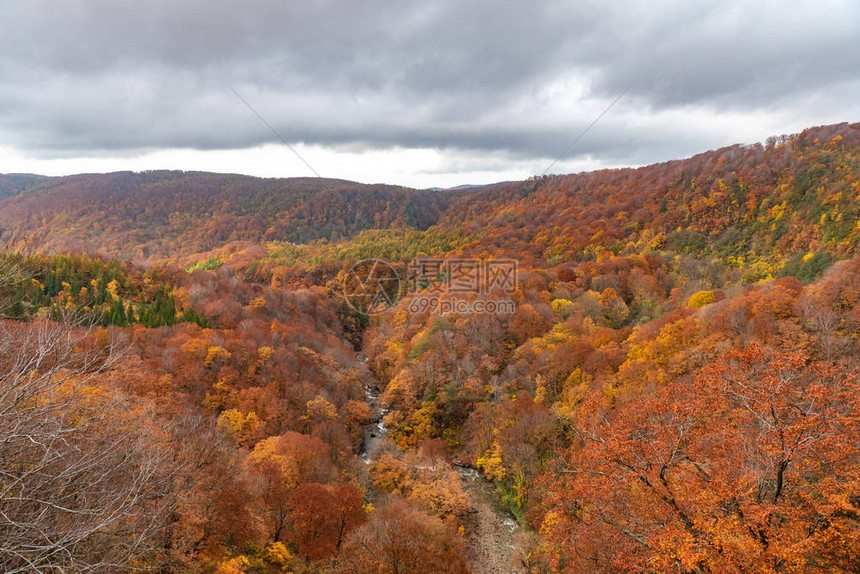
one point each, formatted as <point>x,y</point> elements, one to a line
<point>672,383</point>
<point>789,207</point>
<point>160,213</point>
<point>793,195</point>
<point>14,183</point>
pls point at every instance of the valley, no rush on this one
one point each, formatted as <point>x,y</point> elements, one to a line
<point>650,369</point>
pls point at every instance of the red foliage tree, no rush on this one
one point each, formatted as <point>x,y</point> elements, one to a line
<point>322,516</point>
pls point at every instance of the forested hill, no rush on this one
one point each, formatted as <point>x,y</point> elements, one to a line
<point>669,383</point>
<point>792,195</point>
<point>764,209</point>
<point>155,213</point>
<point>14,183</point>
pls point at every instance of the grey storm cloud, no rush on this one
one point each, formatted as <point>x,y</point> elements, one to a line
<point>121,76</point>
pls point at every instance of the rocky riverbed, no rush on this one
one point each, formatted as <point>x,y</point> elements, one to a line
<point>491,530</point>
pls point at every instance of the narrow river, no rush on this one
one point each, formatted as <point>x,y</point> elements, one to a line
<point>375,432</point>
<point>491,530</point>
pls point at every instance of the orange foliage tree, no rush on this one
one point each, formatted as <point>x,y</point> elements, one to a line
<point>282,465</point>
<point>752,466</point>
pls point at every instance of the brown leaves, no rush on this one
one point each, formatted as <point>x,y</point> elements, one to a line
<point>401,538</point>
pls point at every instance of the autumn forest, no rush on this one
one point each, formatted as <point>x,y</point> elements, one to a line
<point>188,385</point>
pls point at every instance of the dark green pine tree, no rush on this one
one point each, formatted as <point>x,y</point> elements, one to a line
<point>52,285</point>
<point>167,312</point>
<point>101,292</point>
<point>115,314</point>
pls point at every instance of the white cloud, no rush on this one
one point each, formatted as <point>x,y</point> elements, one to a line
<point>461,90</point>
<point>420,168</point>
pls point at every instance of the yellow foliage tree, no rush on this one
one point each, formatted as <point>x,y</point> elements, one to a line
<point>235,565</point>
<point>491,463</point>
<point>701,299</point>
<point>563,308</point>
<point>319,409</point>
<point>238,424</point>
<point>276,553</point>
<point>214,353</point>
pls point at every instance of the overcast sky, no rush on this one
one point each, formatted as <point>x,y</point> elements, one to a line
<point>430,93</point>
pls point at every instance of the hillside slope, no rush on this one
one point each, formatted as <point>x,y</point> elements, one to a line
<point>671,385</point>
<point>765,210</point>
<point>794,195</point>
<point>12,184</point>
<point>158,213</point>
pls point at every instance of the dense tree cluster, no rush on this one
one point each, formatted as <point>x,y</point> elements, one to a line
<point>152,214</point>
<point>676,389</point>
<point>93,289</point>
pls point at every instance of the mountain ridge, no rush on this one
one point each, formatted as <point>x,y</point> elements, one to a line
<point>744,197</point>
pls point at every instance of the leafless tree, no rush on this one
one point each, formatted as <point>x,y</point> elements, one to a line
<point>82,476</point>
